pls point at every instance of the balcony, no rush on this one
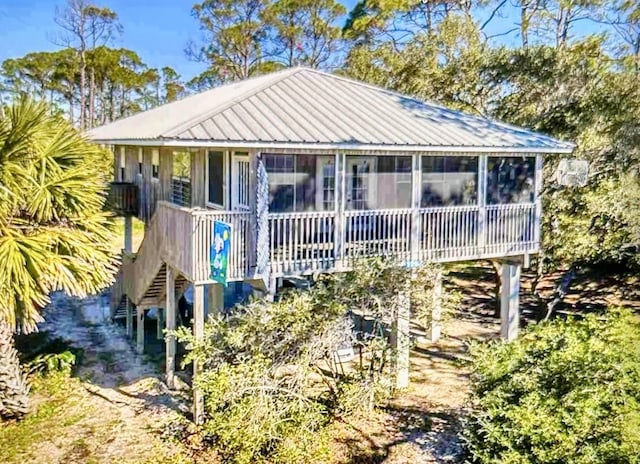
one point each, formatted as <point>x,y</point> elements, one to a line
<point>123,198</point>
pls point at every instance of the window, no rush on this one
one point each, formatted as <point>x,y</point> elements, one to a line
<point>292,183</point>
<point>394,182</point>
<point>449,180</point>
<point>155,163</point>
<point>378,182</point>
<point>215,177</point>
<point>181,178</point>
<point>328,178</point>
<point>140,158</point>
<point>510,180</point>
<point>122,164</point>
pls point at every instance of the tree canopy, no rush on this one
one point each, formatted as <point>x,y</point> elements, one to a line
<point>54,234</point>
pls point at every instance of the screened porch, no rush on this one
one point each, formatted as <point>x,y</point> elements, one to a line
<point>327,211</point>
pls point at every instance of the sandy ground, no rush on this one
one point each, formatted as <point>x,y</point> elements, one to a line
<point>121,403</point>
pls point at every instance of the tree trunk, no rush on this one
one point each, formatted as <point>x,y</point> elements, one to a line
<point>14,390</point>
<point>83,87</point>
<point>497,279</point>
<point>92,96</point>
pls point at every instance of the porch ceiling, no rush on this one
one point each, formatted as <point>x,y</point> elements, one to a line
<point>308,108</point>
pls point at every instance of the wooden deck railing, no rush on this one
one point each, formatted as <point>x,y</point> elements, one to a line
<point>301,242</point>
<point>377,233</point>
<point>188,238</point>
<point>311,242</point>
<point>239,258</point>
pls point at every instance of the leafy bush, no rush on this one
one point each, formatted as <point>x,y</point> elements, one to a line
<point>41,353</point>
<point>566,392</point>
<point>52,362</point>
<point>271,378</point>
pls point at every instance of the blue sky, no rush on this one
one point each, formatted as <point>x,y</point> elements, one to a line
<point>158,30</point>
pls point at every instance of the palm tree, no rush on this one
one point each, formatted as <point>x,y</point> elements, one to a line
<point>54,234</point>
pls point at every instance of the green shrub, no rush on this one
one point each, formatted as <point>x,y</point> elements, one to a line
<point>565,392</point>
<point>266,397</point>
<point>52,362</point>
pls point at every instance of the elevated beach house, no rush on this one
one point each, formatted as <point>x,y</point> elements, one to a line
<point>314,171</point>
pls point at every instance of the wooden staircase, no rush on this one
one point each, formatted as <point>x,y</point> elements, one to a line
<point>155,295</point>
<point>142,276</point>
<point>180,238</point>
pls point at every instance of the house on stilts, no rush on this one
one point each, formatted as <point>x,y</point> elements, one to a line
<point>350,170</point>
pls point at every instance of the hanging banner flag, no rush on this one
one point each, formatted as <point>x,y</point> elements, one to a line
<point>219,252</point>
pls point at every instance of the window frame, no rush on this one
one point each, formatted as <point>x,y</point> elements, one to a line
<point>190,175</point>
<point>122,164</point>
<point>225,174</point>
<point>527,157</point>
<point>155,164</point>
<point>443,181</point>
<point>140,161</point>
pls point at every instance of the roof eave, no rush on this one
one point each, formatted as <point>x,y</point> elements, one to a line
<point>333,146</point>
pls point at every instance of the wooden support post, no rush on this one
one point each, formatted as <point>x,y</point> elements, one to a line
<point>435,327</point>
<point>198,333</point>
<point>340,205</point>
<point>537,222</point>
<point>128,234</point>
<point>140,331</point>
<point>160,324</point>
<point>416,198</point>
<point>215,298</point>
<point>482,203</point>
<point>129,316</point>
<point>510,301</point>
<point>252,238</point>
<point>400,340</point>
<point>170,343</point>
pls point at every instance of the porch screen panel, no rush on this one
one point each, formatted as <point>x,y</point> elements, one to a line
<point>449,181</point>
<point>294,183</point>
<point>215,173</point>
<point>378,182</point>
<point>394,182</point>
<point>510,179</point>
<point>181,178</point>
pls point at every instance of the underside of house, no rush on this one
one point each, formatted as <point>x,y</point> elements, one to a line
<point>312,172</point>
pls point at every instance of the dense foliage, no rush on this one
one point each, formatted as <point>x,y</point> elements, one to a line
<point>54,234</point>
<point>565,392</point>
<point>272,380</point>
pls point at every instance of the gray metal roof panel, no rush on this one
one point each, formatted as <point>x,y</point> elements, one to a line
<point>305,106</point>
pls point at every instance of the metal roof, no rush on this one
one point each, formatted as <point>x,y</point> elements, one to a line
<point>301,107</point>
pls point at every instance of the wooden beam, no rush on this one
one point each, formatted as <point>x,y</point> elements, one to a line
<point>510,300</point>
<point>140,331</point>
<point>215,297</point>
<point>160,324</point>
<point>416,197</point>
<point>129,317</point>
<point>482,203</point>
<point>198,333</point>
<point>400,340</point>
<point>128,234</point>
<point>170,343</point>
<point>340,205</point>
<point>435,328</point>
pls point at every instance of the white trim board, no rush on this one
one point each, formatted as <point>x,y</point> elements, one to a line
<point>264,146</point>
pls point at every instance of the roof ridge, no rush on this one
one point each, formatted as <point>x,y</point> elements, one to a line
<point>435,105</point>
<point>275,78</point>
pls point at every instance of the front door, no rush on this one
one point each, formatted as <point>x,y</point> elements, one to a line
<point>240,169</point>
<point>360,190</point>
